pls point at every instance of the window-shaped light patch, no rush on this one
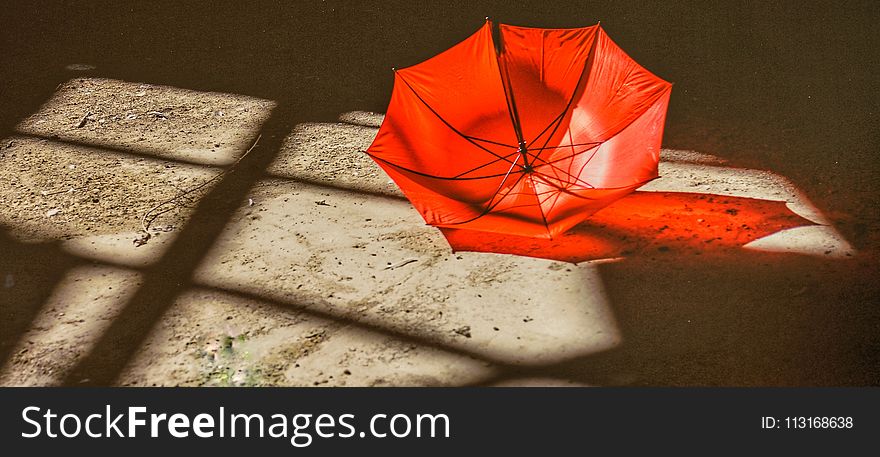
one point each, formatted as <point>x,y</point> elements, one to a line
<point>210,128</point>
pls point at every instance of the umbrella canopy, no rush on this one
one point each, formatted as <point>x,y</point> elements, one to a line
<point>523,131</point>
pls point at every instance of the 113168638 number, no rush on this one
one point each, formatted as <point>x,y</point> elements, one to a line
<point>807,422</point>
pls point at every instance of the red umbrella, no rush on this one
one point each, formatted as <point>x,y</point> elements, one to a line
<point>523,131</point>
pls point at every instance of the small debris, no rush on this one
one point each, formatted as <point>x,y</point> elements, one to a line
<point>250,202</point>
<point>52,212</point>
<point>322,203</point>
<point>55,192</point>
<point>731,211</point>
<point>142,239</point>
<point>464,331</point>
<point>82,122</point>
<point>400,264</point>
<point>527,319</point>
<point>158,114</point>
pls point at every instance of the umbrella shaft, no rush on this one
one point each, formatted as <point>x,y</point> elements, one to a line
<point>524,152</point>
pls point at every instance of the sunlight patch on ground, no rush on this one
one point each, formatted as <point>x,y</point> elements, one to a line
<point>59,189</point>
<point>209,128</point>
<point>364,259</point>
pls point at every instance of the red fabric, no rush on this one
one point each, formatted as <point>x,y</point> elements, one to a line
<point>589,120</point>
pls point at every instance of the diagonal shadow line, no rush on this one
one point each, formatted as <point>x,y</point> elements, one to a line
<point>171,274</point>
<point>122,150</point>
<point>353,187</point>
<point>503,370</point>
<point>307,305</point>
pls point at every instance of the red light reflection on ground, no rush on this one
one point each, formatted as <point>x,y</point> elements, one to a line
<point>644,223</point>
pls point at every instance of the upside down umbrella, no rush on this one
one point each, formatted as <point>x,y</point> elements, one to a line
<point>522,131</point>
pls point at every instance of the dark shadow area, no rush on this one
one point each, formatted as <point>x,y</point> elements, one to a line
<point>28,274</point>
<point>647,223</point>
<point>119,150</point>
<point>750,319</point>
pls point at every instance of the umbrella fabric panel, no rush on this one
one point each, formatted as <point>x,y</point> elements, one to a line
<point>626,159</point>
<point>420,144</point>
<point>462,86</point>
<point>616,92</point>
<point>630,157</point>
<point>544,67</point>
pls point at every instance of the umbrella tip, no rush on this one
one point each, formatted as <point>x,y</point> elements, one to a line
<point>487,19</point>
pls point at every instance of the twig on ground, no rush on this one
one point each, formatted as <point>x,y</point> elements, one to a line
<point>82,122</point>
<point>147,220</point>
<point>400,264</point>
<point>56,192</point>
